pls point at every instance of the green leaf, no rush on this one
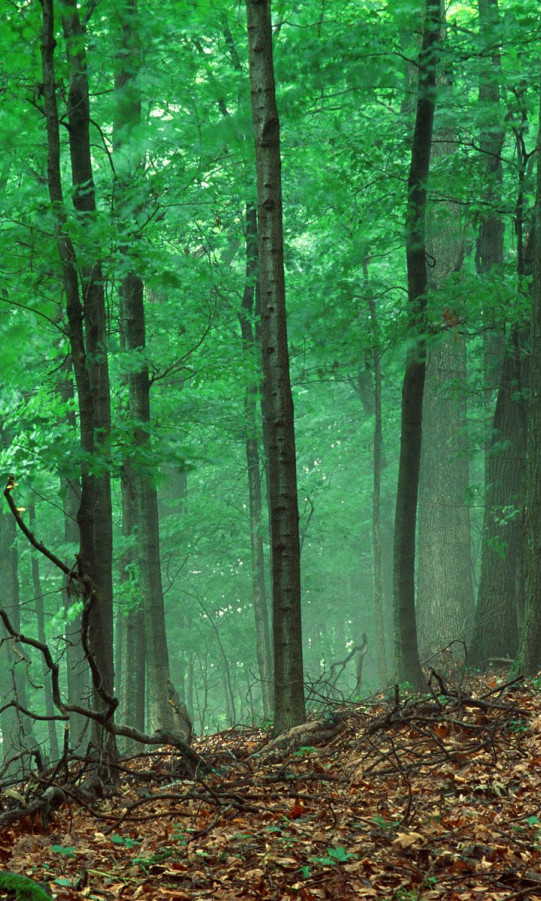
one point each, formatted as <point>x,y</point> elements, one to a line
<point>66,850</point>
<point>124,840</point>
<point>339,854</point>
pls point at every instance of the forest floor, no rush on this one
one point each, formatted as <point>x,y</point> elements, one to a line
<point>406,798</point>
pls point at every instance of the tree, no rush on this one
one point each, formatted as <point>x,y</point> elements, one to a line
<point>133,326</point>
<point>529,657</point>
<point>445,596</point>
<point>250,345</point>
<point>289,707</point>
<point>407,653</point>
<point>501,584</point>
<point>85,305</point>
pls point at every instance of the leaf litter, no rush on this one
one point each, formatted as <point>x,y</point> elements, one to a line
<point>406,798</point>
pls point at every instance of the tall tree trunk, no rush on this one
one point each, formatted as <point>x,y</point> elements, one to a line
<point>289,709</point>
<point>500,603</point>
<point>489,251</point>
<point>496,620</point>
<point>406,649</point>
<point>40,617</point>
<point>85,303</point>
<point>377,458</point>
<point>11,721</point>
<point>445,595</point>
<point>160,710</point>
<point>259,594</point>
<point>445,603</point>
<point>130,622</point>
<point>529,658</point>
<point>77,667</point>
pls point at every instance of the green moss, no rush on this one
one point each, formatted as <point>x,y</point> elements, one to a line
<point>25,889</point>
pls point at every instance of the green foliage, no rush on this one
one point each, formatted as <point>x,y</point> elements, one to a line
<point>186,172</point>
<point>25,889</point>
<point>333,856</point>
<point>65,850</point>
<point>124,840</point>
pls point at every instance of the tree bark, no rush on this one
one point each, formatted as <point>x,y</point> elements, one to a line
<point>77,674</point>
<point>529,658</point>
<point>40,617</point>
<point>289,709</point>
<point>130,621</point>
<point>445,602</point>
<point>85,304</point>
<point>141,474</point>
<point>445,594</point>
<point>378,462</point>
<point>501,587</point>
<point>259,593</point>
<point>406,649</point>
<point>11,723</point>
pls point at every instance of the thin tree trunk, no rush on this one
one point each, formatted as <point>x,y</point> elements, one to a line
<point>130,622</point>
<point>289,709</point>
<point>40,617</point>
<point>406,649</point>
<point>87,335</point>
<point>259,594</point>
<point>489,250</point>
<point>76,665</point>
<point>11,722</point>
<point>377,457</point>
<point>529,657</point>
<point>141,474</point>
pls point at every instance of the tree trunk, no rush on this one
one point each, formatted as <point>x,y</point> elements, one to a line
<point>289,709</point>
<point>40,617</point>
<point>130,622</point>
<point>501,582</point>
<point>11,721</point>
<point>77,667</point>
<point>259,594</point>
<point>489,251</point>
<point>445,604</point>
<point>406,649</point>
<point>529,659</point>
<point>445,594</point>
<point>160,711</point>
<point>377,457</point>
<point>500,606</point>
<point>85,303</point>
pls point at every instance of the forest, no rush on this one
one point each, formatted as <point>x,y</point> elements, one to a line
<point>270,411</point>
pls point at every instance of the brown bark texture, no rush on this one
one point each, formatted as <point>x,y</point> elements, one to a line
<point>253,463</point>
<point>289,709</point>
<point>406,649</point>
<point>445,595</point>
<point>85,306</point>
<point>529,659</point>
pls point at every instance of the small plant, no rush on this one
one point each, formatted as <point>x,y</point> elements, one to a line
<point>332,857</point>
<point>65,850</point>
<point>387,825</point>
<point>124,840</point>
<point>304,751</point>
<point>518,727</point>
<point>405,894</point>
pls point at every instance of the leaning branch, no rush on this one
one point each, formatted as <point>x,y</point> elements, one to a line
<point>26,531</point>
<point>85,587</point>
<point>194,762</point>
